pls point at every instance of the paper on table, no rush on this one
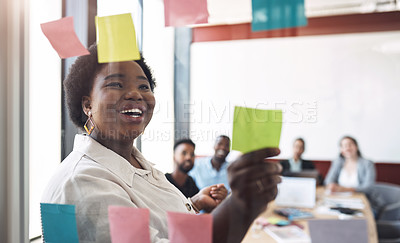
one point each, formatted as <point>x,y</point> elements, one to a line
<point>277,14</point>
<point>59,223</point>
<point>185,12</point>
<point>289,233</point>
<point>128,224</point>
<point>183,228</point>
<point>62,37</point>
<point>254,129</point>
<point>116,38</point>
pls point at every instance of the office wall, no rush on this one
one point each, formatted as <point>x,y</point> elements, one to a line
<point>158,49</point>
<point>327,86</point>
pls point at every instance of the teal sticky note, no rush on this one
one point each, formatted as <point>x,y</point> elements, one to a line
<point>59,223</point>
<point>277,14</point>
<point>254,129</point>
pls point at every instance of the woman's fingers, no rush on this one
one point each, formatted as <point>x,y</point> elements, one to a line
<point>253,158</point>
<point>253,181</point>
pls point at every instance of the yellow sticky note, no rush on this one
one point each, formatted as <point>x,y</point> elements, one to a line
<point>255,129</point>
<point>116,38</point>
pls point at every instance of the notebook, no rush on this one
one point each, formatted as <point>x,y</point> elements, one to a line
<point>296,192</point>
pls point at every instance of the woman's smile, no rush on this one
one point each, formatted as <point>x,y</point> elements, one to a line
<point>121,101</point>
<point>133,113</point>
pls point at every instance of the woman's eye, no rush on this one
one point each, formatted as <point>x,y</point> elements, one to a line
<point>114,84</point>
<point>144,87</point>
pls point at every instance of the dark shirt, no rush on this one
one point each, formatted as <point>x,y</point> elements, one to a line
<point>189,189</point>
<point>305,165</point>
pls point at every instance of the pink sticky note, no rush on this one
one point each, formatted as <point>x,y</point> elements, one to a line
<point>129,225</point>
<point>185,12</point>
<point>63,38</point>
<point>183,228</point>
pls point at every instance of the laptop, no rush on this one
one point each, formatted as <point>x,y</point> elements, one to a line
<point>297,192</point>
<point>304,173</point>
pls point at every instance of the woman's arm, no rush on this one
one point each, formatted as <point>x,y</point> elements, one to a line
<point>333,173</point>
<point>366,175</point>
<point>254,185</point>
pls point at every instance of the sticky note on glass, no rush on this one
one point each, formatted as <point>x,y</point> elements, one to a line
<point>116,39</point>
<point>185,12</point>
<point>129,225</point>
<point>255,129</point>
<point>183,228</point>
<point>59,223</point>
<point>62,37</point>
<point>277,14</point>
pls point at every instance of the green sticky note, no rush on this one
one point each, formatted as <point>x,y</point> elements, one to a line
<point>116,39</point>
<point>255,129</point>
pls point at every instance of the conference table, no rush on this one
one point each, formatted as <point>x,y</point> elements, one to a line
<point>256,234</point>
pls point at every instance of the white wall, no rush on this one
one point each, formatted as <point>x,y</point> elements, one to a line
<point>44,107</point>
<point>158,50</point>
<point>327,86</point>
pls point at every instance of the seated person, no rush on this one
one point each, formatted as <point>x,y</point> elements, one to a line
<point>183,162</point>
<point>209,171</point>
<point>350,172</point>
<point>296,163</point>
<point>114,102</point>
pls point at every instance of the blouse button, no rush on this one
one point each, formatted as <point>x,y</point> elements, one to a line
<point>188,206</point>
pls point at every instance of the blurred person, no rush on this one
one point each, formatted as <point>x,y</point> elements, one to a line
<point>297,163</point>
<point>350,172</point>
<point>183,163</point>
<point>212,170</point>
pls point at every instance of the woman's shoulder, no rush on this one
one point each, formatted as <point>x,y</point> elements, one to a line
<point>365,162</point>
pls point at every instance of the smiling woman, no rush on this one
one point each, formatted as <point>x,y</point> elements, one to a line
<point>116,101</point>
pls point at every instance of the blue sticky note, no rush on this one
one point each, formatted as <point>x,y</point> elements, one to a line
<point>59,223</point>
<point>277,14</point>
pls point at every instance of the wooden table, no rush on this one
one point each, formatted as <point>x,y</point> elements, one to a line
<point>255,235</point>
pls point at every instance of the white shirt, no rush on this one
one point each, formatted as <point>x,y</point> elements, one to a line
<point>94,177</point>
<point>295,166</point>
<point>347,179</point>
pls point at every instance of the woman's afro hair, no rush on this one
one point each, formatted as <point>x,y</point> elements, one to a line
<point>79,82</point>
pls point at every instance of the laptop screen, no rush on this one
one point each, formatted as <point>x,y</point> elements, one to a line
<point>296,192</point>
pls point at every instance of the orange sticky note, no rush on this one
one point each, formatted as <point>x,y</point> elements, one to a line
<point>129,225</point>
<point>116,38</point>
<point>185,12</point>
<point>63,38</point>
<point>183,228</point>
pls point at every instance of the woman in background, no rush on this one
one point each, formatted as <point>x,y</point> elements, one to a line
<point>350,172</point>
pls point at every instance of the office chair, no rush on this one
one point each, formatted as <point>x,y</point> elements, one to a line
<point>385,201</point>
<point>388,231</point>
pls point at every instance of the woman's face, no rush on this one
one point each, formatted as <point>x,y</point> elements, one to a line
<point>121,101</point>
<point>298,148</point>
<point>348,148</point>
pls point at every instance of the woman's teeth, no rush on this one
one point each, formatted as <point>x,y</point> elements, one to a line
<point>132,112</point>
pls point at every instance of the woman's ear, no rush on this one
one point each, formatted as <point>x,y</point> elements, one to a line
<point>86,104</point>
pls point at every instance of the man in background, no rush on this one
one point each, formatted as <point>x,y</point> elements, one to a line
<point>183,163</point>
<point>213,170</point>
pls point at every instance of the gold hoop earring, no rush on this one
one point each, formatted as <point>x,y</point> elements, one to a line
<point>92,125</point>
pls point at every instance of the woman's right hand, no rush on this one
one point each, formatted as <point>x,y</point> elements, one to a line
<point>253,181</point>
